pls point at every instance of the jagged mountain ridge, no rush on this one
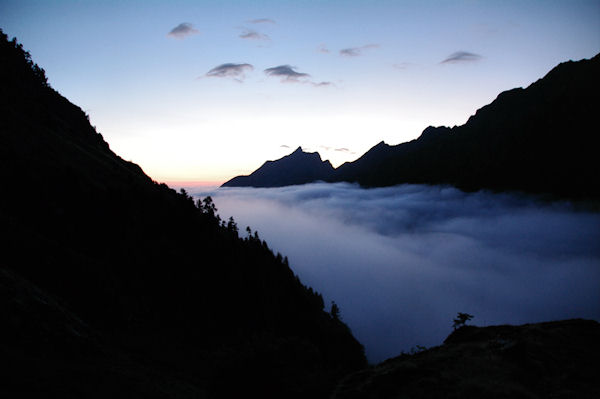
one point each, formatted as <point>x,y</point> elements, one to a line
<point>539,140</point>
<point>299,167</point>
<point>157,287</point>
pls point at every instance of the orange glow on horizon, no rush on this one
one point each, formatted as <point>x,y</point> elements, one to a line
<point>176,183</point>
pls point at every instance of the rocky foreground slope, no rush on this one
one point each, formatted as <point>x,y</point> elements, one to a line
<point>545,360</point>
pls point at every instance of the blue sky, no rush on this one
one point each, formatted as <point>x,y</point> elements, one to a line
<point>375,71</point>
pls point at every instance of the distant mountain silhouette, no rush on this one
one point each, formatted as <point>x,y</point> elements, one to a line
<point>541,139</point>
<point>112,285</point>
<point>297,168</point>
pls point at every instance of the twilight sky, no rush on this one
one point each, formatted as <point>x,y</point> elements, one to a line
<point>204,90</point>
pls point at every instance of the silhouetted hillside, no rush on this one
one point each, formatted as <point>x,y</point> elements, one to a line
<point>297,168</point>
<point>113,284</point>
<point>539,140</point>
<point>50,352</point>
<point>543,360</point>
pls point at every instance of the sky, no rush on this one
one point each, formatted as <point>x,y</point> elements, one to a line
<point>201,91</point>
<point>402,261</point>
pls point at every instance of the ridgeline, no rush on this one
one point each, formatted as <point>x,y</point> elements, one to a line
<point>539,140</point>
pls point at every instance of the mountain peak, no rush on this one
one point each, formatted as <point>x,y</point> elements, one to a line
<point>301,154</point>
<point>299,167</point>
<point>381,144</point>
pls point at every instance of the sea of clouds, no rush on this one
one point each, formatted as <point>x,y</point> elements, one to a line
<point>402,261</point>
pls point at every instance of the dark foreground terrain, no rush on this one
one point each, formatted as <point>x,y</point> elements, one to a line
<point>544,360</point>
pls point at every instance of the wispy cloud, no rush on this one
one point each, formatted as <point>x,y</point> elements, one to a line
<point>182,30</point>
<point>229,70</point>
<point>461,56</point>
<point>286,73</point>
<point>251,34</point>
<point>403,65</point>
<point>323,48</point>
<point>344,149</point>
<point>322,84</point>
<point>284,146</point>
<point>262,21</point>
<point>357,51</point>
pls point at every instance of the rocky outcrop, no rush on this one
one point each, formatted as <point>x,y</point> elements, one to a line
<point>543,360</point>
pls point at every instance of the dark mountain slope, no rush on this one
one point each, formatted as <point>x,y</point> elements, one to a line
<point>53,353</point>
<point>543,360</point>
<point>297,168</point>
<point>540,139</point>
<point>160,280</point>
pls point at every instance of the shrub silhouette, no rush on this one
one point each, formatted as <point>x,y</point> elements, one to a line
<point>461,320</point>
<point>335,311</point>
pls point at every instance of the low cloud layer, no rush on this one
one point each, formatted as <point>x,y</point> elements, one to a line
<point>402,261</point>
<point>357,51</point>
<point>236,71</point>
<point>182,30</point>
<point>461,56</point>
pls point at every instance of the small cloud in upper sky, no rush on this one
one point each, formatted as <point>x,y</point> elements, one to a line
<point>289,75</point>
<point>461,56</point>
<point>403,65</point>
<point>230,70</point>
<point>357,51</point>
<point>284,146</point>
<point>262,21</point>
<point>286,72</point>
<point>182,30</point>
<point>251,34</point>
<point>323,48</point>
<point>343,149</point>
